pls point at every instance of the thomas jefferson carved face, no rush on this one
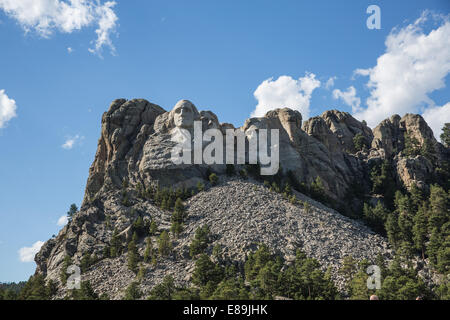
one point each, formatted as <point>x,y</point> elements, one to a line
<point>184,114</point>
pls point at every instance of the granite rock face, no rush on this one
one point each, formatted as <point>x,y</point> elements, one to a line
<point>135,147</point>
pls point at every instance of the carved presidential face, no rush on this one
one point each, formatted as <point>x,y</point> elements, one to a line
<point>184,114</point>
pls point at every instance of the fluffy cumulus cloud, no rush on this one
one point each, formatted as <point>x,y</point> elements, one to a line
<point>285,92</point>
<point>7,108</point>
<point>349,97</point>
<point>26,254</point>
<point>414,65</point>
<point>330,82</point>
<point>436,117</point>
<point>62,221</point>
<point>66,16</point>
<point>71,142</point>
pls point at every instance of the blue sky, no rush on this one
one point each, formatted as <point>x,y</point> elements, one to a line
<point>216,54</point>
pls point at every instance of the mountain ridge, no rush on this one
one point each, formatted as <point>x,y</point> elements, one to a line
<point>133,160</point>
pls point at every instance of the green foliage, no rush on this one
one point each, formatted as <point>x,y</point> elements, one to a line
<point>375,217</point>
<point>383,182</point>
<point>132,292</point>
<point>420,230</point>
<point>178,217</point>
<point>231,289</point>
<point>165,198</point>
<point>301,280</point>
<point>206,272</point>
<point>200,186</point>
<point>148,253</point>
<point>139,227</point>
<point>72,211</point>
<point>412,146</point>
<point>402,284</point>
<point>164,290</point>
<point>35,289</point>
<point>167,290</point>
<point>85,292</point>
<point>348,267</point>
<point>445,135</point>
<point>201,241</point>
<point>133,255</point>
<point>217,251</point>
<point>153,230</point>
<point>66,264</point>
<point>164,244</point>
<point>87,261</point>
<point>360,142</point>
<point>125,199</point>
<point>317,191</point>
<point>213,179</point>
<point>115,245</point>
<point>392,229</point>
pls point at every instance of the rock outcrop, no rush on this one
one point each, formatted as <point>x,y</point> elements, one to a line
<point>134,154</point>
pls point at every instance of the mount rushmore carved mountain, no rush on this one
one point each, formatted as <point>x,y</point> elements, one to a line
<point>313,204</point>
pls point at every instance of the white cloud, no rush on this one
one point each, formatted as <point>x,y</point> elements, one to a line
<point>7,108</point>
<point>414,65</point>
<point>285,92</point>
<point>69,50</point>
<point>26,254</point>
<point>436,117</point>
<point>349,97</point>
<point>66,16</point>
<point>330,82</point>
<point>62,221</point>
<point>71,141</point>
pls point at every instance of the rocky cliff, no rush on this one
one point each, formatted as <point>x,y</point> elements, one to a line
<point>134,157</point>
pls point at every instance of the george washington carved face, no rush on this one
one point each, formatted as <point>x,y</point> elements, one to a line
<point>184,113</point>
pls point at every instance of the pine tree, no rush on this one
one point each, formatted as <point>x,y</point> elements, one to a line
<point>116,245</point>
<point>420,230</point>
<point>133,255</point>
<point>201,241</point>
<point>445,136</point>
<point>348,268</point>
<point>72,210</point>
<point>85,263</point>
<point>85,292</point>
<point>148,250</point>
<point>358,287</point>
<point>164,244</point>
<point>153,228</point>
<point>206,271</point>
<point>439,204</point>
<point>163,291</point>
<point>359,142</point>
<point>132,292</point>
<point>392,229</point>
<point>434,245</point>
<point>412,146</point>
